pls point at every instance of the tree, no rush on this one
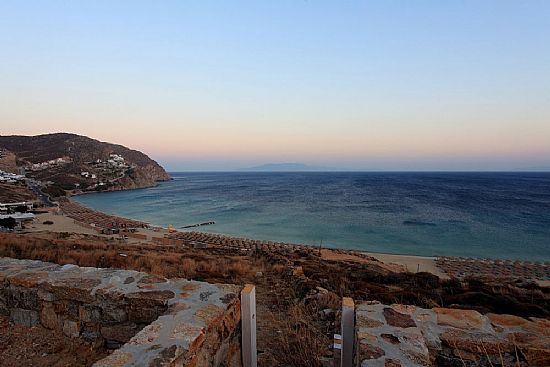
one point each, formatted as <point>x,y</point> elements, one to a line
<point>21,209</point>
<point>8,223</point>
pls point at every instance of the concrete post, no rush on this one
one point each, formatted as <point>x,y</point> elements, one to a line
<point>248,321</point>
<point>348,331</point>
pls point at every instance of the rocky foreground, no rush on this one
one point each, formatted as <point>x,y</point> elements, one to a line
<point>163,320</point>
<point>405,335</point>
<point>299,292</point>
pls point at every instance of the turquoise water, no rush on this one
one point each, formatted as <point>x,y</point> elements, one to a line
<point>497,215</point>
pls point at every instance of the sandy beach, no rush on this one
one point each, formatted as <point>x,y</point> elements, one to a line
<point>443,267</point>
<point>396,263</point>
<point>410,263</point>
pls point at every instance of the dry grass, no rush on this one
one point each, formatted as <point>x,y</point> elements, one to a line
<point>301,342</point>
<point>298,338</point>
<point>165,261</point>
<point>290,329</point>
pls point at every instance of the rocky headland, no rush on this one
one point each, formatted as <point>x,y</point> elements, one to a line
<point>68,162</point>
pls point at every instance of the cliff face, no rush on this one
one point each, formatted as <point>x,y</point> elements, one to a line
<point>77,162</point>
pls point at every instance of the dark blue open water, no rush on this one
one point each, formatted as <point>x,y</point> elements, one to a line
<point>499,215</point>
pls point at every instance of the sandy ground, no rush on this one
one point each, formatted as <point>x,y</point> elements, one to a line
<point>411,263</point>
<point>397,263</point>
<point>61,223</point>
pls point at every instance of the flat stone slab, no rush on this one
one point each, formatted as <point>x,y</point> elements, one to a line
<point>193,315</point>
<point>399,335</point>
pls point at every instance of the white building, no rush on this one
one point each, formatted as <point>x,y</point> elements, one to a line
<point>20,218</point>
<point>5,206</point>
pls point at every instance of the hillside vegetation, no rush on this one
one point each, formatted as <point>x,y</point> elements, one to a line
<point>70,161</point>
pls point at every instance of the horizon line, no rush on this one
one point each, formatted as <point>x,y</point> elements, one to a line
<point>359,171</point>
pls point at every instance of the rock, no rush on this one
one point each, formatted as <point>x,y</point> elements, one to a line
<point>145,172</point>
<point>71,328</point>
<point>146,306</point>
<point>97,304</point>
<point>368,337</point>
<point>228,298</point>
<point>475,342</point>
<point>112,344</point>
<point>23,298</point>
<point>48,317</point>
<point>24,317</point>
<point>413,346</point>
<point>120,333</point>
<point>74,288</point>
<point>404,309</point>
<point>369,351</point>
<point>166,356</point>
<point>29,279</point>
<point>147,335</point>
<point>87,313</point>
<point>208,313</point>
<point>90,334</point>
<point>150,298</point>
<point>412,336</point>
<point>507,320</point>
<point>462,319</point>
<point>67,308</point>
<point>4,309</point>
<point>151,279</point>
<point>145,314</point>
<point>389,362</point>
<point>398,319</point>
<point>113,314</point>
<point>390,338</point>
<point>367,322</point>
<point>116,359</point>
<point>44,295</point>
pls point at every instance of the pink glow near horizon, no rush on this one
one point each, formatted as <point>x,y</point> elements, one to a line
<point>355,85</point>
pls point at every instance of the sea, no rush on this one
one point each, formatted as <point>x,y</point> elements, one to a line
<point>483,215</point>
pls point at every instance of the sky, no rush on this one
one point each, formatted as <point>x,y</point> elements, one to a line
<point>222,85</point>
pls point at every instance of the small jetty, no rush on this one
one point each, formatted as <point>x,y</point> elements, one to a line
<point>199,224</point>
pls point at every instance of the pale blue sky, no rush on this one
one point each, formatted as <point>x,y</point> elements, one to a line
<point>227,84</point>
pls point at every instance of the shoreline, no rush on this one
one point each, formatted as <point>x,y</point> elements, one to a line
<point>392,262</point>
<point>445,267</point>
<point>367,252</point>
<point>372,253</point>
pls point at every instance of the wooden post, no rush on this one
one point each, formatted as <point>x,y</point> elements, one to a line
<point>348,331</point>
<point>248,322</point>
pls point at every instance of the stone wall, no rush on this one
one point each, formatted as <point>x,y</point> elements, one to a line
<point>399,335</point>
<point>153,321</point>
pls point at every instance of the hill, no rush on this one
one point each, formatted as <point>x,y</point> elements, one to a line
<point>70,161</point>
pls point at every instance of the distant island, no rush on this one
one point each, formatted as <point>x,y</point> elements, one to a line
<point>286,167</point>
<point>534,169</point>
